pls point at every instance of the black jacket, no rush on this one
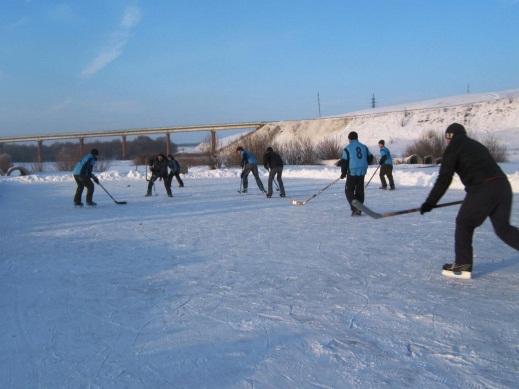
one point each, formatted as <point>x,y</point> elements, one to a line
<point>470,160</point>
<point>159,168</point>
<point>272,160</point>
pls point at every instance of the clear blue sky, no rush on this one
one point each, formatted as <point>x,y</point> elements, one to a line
<point>116,64</point>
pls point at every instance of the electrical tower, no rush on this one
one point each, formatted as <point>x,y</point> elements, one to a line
<point>373,101</point>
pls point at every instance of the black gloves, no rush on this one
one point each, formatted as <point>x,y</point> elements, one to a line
<point>426,207</point>
<point>343,176</point>
<point>95,179</point>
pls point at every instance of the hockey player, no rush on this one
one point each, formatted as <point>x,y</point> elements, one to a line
<point>354,164</point>
<point>83,176</point>
<point>489,194</point>
<point>159,170</point>
<point>249,164</point>
<point>174,171</point>
<point>386,166</point>
<point>273,163</point>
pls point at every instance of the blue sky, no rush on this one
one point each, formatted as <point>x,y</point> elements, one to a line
<point>116,64</point>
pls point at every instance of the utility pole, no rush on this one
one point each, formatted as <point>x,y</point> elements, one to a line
<point>319,104</point>
<point>373,101</point>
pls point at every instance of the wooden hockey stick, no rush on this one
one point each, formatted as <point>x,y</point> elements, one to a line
<point>357,204</point>
<point>296,202</point>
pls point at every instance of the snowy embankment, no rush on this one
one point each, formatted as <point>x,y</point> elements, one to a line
<point>213,289</point>
<point>484,115</point>
<point>405,175</point>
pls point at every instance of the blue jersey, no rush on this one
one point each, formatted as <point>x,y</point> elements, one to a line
<point>358,157</point>
<point>247,157</point>
<point>174,165</point>
<point>85,166</point>
<point>384,152</point>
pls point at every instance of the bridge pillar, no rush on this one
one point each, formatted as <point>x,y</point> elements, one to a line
<point>168,143</point>
<point>81,146</point>
<point>213,143</point>
<point>40,151</point>
<point>124,146</point>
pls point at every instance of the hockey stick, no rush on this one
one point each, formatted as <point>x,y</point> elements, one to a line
<point>241,178</point>
<point>315,195</point>
<point>357,204</point>
<point>277,186</point>
<point>151,179</point>
<point>117,202</point>
<point>275,182</point>
<point>372,177</point>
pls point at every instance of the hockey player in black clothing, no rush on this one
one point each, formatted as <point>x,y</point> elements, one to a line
<point>159,170</point>
<point>489,194</point>
<point>273,163</point>
<point>174,171</point>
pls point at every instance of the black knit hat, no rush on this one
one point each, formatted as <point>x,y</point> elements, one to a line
<point>353,135</point>
<point>94,152</point>
<point>455,129</point>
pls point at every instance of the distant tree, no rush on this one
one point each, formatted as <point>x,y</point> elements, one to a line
<point>498,151</point>
<point>431,143</point>
<point>112,149</point>
<point>328,148</point>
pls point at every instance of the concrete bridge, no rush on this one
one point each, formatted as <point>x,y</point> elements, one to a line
<point>81,136</point>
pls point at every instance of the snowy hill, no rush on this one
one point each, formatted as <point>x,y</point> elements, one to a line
<point>483,114</point>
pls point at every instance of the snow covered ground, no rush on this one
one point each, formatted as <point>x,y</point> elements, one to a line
<point>213,289</point>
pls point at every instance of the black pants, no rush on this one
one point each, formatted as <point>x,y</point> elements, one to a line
<point>251,167</point>
<point>387,170</point>
<point>82,183</point>
<point>167,185</point>
<point>177,176</point>
<point>491,199</point>
<point>276,172</point>
<point>354,189</point>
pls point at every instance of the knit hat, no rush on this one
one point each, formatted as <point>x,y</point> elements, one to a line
<point>353,135</point>
<point>381,142</point>
<point>455,129</point>
<point>94,152</point>
<point>269,149</point>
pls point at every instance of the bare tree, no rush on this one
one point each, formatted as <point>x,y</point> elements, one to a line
<point>328,148</point>
<point>298,151</point>
<point>496,148</point>
<point>431,143</point>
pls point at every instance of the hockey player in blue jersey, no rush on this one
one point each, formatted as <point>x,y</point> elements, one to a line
<point>386,166</point>
<point>354,164</point>
<point>249,164</point>
<point>83,176</point>
<point>174,171</point>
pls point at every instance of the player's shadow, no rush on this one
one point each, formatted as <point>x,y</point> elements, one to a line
<point>491,267</point>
